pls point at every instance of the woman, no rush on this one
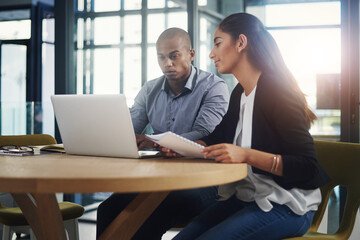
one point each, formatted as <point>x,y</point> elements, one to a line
<point>266,126</point>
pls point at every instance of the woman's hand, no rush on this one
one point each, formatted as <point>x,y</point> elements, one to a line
<point>226,153</point>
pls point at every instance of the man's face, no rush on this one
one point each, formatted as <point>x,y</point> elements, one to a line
<point>174,58</point>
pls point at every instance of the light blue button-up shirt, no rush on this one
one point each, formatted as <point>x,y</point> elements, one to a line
<point>193,114</point>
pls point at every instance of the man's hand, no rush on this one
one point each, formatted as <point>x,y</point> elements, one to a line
<point>144,143</point>
<point>166,152</point>
<point>201,142</point>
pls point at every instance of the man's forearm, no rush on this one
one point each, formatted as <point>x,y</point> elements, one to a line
<point>196,134</point>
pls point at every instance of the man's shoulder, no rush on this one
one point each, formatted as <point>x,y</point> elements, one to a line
<point>153,84</point>
<point>203,75</point>
<point>155,80</point>
<point>206,80</point>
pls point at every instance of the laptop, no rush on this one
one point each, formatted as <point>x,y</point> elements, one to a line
<point>97,125</point>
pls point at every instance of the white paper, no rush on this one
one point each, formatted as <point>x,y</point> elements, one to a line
<point>178,144</point>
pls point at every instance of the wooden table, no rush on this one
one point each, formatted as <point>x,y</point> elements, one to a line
<point>34,180</point>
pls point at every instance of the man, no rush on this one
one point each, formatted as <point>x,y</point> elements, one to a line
<point>186,101</point>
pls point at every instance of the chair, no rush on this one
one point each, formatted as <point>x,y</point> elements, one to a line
<point>341,161</point>
<point>12,217</point>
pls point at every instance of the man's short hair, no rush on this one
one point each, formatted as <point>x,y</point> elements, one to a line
<point>176,32</point>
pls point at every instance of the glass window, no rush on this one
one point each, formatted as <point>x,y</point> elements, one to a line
<point>178,19</point>
<point>106,5</point>
<point>203,34</point>
<point>106,30</point>
<point>153,68</point>
<point>44,115</point>
<point>80,5</point>
<point>172,4</point>
<point>301,14</point>
<point>318,53</point>
<point>132,4</point>
<point>13,89</point>
<point>107,71</point>
<point>48,34</point>
<point>156,25</point>
<point>132,73</point>
<point>80,33</point>
<point>48,87</point>
<point>313,55</point>
<point>207,30</point>
<point>19,14</point>
<point>213,5</point>
<point>80,71</point>
<point>132,29</point>
<point>156,4</point>
<point>88,31</point>
<point>87,66</point>
<point>204,54</point>
<point>202,2</point>
<point>15,29</point>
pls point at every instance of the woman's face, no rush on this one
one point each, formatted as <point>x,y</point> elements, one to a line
<point>224,52</point>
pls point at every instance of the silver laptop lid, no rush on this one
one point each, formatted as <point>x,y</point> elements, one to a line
<point>98,125</point>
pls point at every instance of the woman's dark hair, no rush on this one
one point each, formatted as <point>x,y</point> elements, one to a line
<point>263,52</point>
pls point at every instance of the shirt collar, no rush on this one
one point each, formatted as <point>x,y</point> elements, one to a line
<point>248,99</point>
<point>190,83</point>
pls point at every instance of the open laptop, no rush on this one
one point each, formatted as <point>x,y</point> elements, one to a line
<point>97,125</point>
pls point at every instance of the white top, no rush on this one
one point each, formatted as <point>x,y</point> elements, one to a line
<point>261,188</point>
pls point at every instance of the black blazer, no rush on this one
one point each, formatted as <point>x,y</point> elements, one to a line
<point>279,127</point>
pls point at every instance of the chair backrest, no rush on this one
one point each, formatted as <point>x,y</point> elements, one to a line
<point>35,139</point>
<point>341,161</point>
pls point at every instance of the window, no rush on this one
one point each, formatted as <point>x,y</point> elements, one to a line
<point>14,37</point>
<point>19,29</point>
<point>308,35</point>
<point>110,44</point>
<point>48,72</point>
<point>13,88</point>
<point>27,70</point>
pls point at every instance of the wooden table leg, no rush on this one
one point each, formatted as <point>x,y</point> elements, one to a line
<point>43,215</point>
<point>125,225</point>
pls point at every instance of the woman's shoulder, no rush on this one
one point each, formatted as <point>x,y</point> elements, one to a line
<point>274,89</point>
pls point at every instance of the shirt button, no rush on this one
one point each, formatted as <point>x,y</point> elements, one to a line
<point>173,119</point>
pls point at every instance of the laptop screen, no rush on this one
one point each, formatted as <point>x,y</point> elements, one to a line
<point>98,125</point>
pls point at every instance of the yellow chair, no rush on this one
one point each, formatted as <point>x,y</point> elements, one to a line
<point>12,217</point>
<point>341,161</point>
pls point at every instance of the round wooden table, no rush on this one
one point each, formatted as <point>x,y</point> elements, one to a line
<point>41,176</point>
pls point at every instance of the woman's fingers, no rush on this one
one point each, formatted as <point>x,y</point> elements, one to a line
<point>214,153</point>
<point>214,150</point>
<point>212,147</point>
<point>225,153</point>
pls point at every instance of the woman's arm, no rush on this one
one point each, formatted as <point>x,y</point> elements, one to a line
<point>229,153</point>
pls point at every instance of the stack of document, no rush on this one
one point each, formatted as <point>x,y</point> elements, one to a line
<point>178,144</point>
